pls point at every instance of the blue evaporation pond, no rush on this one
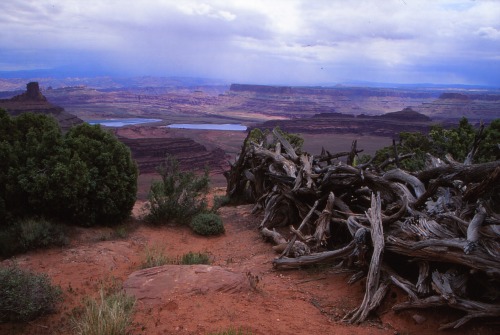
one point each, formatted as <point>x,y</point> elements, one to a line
<point>208,126</point>
<point>121,122</point>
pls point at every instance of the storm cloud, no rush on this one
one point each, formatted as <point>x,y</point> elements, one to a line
<point>270,41</point>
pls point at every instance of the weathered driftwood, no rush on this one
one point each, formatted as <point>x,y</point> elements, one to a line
<point>443,218</point>
<point>447,297</point>
<point>297,232</point>
<point>296,249</point>
<point>374,292</point>
<point>320,257</point>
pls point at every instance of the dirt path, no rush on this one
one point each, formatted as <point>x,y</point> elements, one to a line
<point>306,301</point>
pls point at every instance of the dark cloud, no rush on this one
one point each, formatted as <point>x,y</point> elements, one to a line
<point>267,41</point>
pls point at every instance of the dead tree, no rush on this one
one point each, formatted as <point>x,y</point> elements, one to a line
<point>444,221</point>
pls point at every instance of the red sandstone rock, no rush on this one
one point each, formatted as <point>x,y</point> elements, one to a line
<point>161,283</point>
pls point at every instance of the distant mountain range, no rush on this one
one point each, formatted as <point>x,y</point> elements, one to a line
<point>173,98</point>
<point>48,77</point>
<point>415,85</point>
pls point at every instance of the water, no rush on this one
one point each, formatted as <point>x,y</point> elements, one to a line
<point>207,126</point>
<point>121,122</point>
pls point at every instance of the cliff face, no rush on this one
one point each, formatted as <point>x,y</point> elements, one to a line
<point>260,89</point>
<point>149,153</point>
<point>33,101</point>
<point>475,106</point>
<point>294,102</point>
<point>390,124</point>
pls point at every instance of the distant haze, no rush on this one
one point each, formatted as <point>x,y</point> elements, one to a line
<point>289,42</point>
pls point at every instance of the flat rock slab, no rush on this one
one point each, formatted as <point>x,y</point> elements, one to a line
<point>164,281</point>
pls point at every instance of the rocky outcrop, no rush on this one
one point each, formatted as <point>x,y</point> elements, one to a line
<point>390,124</point>
<point>457,96</point>
<point>476,107</point>
<point>32,94</point>
<point>149,153</point>
<point>33,101</point>
<point>291,102</point>
<point>159,284</point>
<point>406,114</point>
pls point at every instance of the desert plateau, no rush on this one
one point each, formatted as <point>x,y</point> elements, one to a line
<point>242,289</point>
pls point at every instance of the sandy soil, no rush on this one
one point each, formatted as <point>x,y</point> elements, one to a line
<point>300,301</point>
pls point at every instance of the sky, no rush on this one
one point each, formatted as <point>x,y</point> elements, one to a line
<point>285,42</point>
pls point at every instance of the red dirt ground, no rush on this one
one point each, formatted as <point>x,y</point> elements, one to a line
<point>301,301</point>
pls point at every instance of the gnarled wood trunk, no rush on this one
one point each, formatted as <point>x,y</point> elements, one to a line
<point>444,221</point>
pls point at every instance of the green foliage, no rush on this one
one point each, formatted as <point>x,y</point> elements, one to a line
<point>207,224</point>
<point>456,141</point>
<point>121,232</point>
<point>9,243</point>
<point>220,201</point>
<point>256,135</point>
<point>294,139</point>
<point>490,148</point>
<point>40,233</point>
<point>363,159</point>
<point>25,295</point>
<point>264,136</point>
<point>194,258</point>
<point>155,256</point>
<point>85,176</point>
<point>30,234</point>
<point>111,174</point>
<point>27,149</point>
<point>416,143</point>
<point>180,195</point>
<point>110,315</point>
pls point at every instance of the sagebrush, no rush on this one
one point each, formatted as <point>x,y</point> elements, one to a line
<point>30,234</point>
<point>25,295</point>
<point>179,195</point>
<point>207,224</point>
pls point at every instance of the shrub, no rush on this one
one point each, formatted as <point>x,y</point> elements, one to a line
<point>25,295</point>
<point>263,136</point>
<point>9,243</point>
<point>39,233</point>
<point>109,316</point>
<point>121,232</point>
<point>30,234</point>
<point>207,224</point>
<point>220,201</point>
<point>109,193</point>
<point>195,258</point>
<point>456,141</point>
<point>85,176</point>
<point>180,195</point>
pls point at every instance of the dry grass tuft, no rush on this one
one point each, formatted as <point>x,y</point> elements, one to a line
<point>112,315</point>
